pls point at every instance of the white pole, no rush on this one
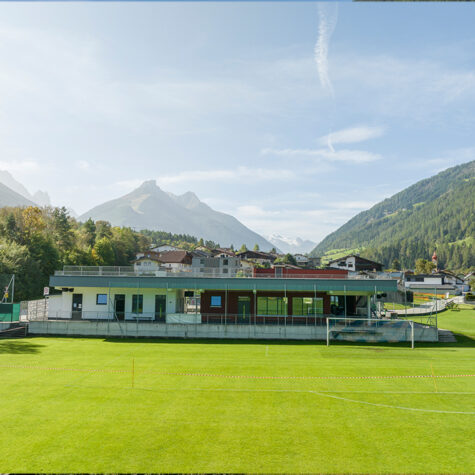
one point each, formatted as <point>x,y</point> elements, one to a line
<point>328,332</point>
<point>412,334</point>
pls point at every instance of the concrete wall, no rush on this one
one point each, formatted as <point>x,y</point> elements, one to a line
<point>172,330</point>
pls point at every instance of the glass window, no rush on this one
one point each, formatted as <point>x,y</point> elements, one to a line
<point>137,303</point>
<point>216,301</point>
<point>225,262</point>
<point>272,305</point>
<point>307,306</point>
<point>101,299</point>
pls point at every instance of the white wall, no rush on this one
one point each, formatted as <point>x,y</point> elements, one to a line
<point>91,310</point>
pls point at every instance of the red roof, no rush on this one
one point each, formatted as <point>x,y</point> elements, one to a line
<point>176,257</point>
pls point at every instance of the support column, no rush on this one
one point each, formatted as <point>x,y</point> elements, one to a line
<point>369,305</point>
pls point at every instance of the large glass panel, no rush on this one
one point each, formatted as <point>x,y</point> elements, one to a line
<point>137,303</point>
<point>272,305</point>
<point>307,306</point>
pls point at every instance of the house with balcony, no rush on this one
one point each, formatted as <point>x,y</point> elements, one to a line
<point>224,266</point>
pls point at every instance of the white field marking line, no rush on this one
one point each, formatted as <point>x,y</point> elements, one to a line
<point>267,350</point>
<point>324,394</point>
<point>392,407</point>
<point>235,376</point>
<point>306,391</point>
<point>86,375</point>
<point>433,377</point>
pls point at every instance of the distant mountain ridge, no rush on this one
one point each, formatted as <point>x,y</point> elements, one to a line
<point>40,198</point>
<point>290,245</point>
<point>435,213</point>
<point>8,197</point>
<point>149,207</point>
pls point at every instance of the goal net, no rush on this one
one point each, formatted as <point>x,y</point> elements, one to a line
<point>367,330</point>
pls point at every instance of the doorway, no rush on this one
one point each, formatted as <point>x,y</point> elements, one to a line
<point>76,313</point>
<point>119,306</point>
<point>161,308</point>
<point>244,309</point>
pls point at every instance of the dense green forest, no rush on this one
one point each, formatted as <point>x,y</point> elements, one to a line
<point>434,214</point>
<point>34,242</point>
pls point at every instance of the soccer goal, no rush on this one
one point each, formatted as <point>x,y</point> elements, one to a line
<point>369,330</point>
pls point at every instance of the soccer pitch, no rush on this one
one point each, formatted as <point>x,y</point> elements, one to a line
<point>95,405</point>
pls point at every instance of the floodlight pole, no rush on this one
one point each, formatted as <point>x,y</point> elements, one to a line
<point>13,287</point>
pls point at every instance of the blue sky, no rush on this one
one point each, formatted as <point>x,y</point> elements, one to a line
<point>291,116</point>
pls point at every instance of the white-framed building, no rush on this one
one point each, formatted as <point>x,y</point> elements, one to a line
<point>355,263</point>
<point>216,266</point>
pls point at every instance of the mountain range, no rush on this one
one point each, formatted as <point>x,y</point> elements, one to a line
<point>437,213</point>
<point>289,245</point>
<point>40,198</point>
<point>149,207</point>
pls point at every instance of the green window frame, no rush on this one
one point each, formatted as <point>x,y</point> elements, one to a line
<point>307,306</point>
<point>137,303</point>
<point>272,306</point>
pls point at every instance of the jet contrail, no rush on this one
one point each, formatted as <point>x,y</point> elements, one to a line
<point>327,17</point>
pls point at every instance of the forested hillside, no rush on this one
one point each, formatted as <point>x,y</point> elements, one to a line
<point>34,242</point>
<point>434,214</point>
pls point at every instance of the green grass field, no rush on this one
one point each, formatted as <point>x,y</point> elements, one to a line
<point>95,405</point>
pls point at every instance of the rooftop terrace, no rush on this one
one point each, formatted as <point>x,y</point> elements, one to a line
<point>204,272</point>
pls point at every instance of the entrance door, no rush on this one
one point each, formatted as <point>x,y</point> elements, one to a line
<point>160,308</point>
<point>119,306</point>
<point>244,309</point>
<point>76,313</point>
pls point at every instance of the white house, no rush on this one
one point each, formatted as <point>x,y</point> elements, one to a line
<point>300,259</point>
<point>146,262</point>
<point>355,263</point>
<point>176,260</point>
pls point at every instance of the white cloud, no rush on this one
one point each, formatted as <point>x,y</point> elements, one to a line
<point>352,135</point>
<point>20,166</point>
<point>353,156</point>
<point>228,175</point>
<point>327,15</point>
<point>83,165</point>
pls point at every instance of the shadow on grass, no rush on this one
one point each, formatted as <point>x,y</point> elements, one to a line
<point>19,347</point>
<point>463,341</point>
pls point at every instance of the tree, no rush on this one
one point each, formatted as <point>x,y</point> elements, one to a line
<point>62,229</point>
<point>256,247</point>
<point>287,259</point>
<point>273,250</point>
<point>472,284</point>
<point>243,248</point>
<point>103,252</point>
<point>103,229</point>
<point>33,221</point>
<point>16,259</point>
<point>396,265</point>
<point>89,228</point>
<point>424,266</point>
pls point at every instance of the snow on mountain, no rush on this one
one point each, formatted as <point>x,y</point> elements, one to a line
<point>291,245</point>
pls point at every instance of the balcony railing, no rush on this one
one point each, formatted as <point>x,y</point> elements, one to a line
<point>202,272</point>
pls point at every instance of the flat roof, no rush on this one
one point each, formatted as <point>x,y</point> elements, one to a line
<point>363,286</point>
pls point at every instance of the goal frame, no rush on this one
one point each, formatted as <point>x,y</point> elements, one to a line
<point>373,320</point>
